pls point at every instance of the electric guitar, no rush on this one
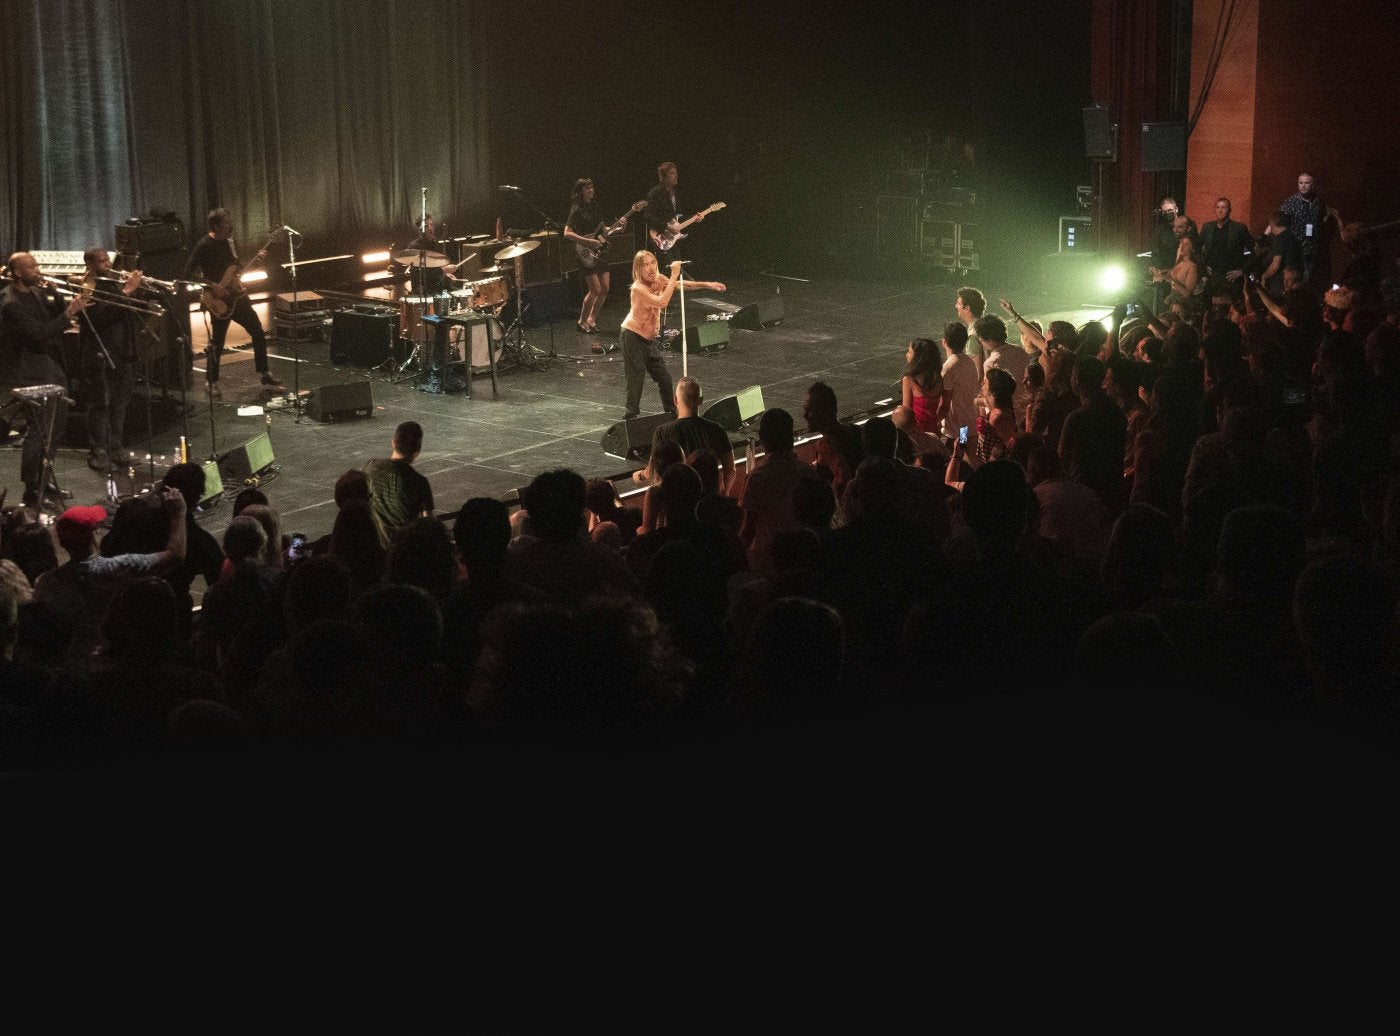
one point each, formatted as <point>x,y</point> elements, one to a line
<point>665,240</point>
<point>219,299</point>
<point>589,254</point>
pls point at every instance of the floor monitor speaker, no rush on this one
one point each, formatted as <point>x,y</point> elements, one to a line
<point>761,314</point>
<point>709,337</point>
<point>242,463</point>
<point>732,412</point>
<point>631,439</point>
<point>330,403</point>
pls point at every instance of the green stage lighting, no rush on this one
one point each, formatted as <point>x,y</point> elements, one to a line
<point>1113,278</point>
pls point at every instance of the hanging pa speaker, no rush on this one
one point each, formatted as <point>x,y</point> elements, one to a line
<point>631,439</point>
<point>761,314</point>
<point>1098,132</point>
<point>1163,147</point>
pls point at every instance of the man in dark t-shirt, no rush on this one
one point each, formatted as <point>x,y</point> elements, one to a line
<point>693,432</point>
<point>397,493</point>
<point>1285,261</point>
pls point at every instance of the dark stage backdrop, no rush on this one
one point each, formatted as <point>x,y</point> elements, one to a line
<point>328,115</point>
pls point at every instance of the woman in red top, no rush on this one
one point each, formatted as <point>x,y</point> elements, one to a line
<point>922,400</point>
<point>641,329</point>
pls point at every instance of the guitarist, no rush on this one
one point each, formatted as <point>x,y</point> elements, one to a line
<point>661,210</point>
<point>215,262</point>
<point>588,233</point>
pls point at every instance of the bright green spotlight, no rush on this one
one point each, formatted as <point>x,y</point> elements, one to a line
<point>1113,279</point>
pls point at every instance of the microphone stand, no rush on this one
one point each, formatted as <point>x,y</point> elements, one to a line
<point>296,327</point>
<point>549,224</point>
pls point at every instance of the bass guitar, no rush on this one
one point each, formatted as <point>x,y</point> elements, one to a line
<point>665,240</point>
<point>219,299</point>
<point>590,254</point>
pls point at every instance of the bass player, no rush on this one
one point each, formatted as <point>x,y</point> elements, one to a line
<point>214,261</point>
<point>590,237</point>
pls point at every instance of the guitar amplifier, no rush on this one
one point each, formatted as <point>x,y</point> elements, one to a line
<point>362,339</point>
<point>143,238</point>
<point>300,302</point>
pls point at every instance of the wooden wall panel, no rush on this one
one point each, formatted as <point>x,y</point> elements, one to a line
<point>1220,152</point>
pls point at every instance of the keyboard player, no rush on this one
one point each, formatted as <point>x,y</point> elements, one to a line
<point>35,318</point>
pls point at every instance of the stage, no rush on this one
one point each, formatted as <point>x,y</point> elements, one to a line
<point>850,333</point>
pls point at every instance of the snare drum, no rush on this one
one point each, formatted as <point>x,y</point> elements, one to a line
<point>489,293</point>
<point>459,300</point>
<point>412,309</point>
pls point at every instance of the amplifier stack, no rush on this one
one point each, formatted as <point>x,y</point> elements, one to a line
<point>300,317</point>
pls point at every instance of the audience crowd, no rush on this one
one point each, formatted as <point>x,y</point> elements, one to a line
<point>1184,517</point>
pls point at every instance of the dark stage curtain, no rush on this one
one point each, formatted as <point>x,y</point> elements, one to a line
<point>328,115</point>
<point>1137,73</point>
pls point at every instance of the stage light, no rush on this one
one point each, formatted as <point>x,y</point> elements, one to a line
<point>369,258</point>
<point>253,275</point>
<point>1113,278</point>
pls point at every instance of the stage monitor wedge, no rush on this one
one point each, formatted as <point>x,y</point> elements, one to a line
<point>733,412</point>
<point>630,439</point>
<point>712,336</point>
<point>340,402</point>
<point>243,464</point>
<point>764,313</point>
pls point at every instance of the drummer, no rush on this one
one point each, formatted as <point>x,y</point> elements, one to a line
<point>431,275</point>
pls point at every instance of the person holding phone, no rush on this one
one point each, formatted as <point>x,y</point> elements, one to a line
<point>960,383</point>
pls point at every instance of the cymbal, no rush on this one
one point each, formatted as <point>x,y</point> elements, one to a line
<point>411,257</point>
<point>495,271</point>
<point>516,251</point>
<point>542,234</point>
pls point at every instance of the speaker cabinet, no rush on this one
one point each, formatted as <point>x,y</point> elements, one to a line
<point>1163,147</point>
<point>213,488</point>
<point>709,337</point>
<point>1098,132</point>
<point>143,237</point>
<point>631,439</point>
<point>362,339</point>
<point>733,412</point>
<point>343,402</point>
<point>242,463</point>
<point>761,314</point>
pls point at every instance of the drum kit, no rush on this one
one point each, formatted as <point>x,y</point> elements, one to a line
<point>487,296</point>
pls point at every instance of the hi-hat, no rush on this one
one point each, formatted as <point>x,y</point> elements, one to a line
<point>421,256</point>
<point>516,251</point>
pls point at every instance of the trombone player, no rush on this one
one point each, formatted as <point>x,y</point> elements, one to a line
<point>35,319</point>
<point>107,358</point>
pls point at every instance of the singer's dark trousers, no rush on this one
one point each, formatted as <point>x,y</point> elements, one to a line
<point>641,358</point>
<point>244,317</point>
<point>36,368</point>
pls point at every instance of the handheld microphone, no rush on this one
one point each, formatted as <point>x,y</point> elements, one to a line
<point>683,262</point>
<point>507,187</point>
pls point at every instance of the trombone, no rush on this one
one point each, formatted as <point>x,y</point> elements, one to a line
<point>89,290</point>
